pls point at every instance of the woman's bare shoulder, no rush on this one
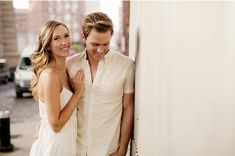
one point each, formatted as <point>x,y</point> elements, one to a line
<point>50,75</point>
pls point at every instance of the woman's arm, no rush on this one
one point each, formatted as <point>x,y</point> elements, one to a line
<point>51,89</point>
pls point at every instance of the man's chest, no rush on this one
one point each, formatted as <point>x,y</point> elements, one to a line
<point>106,81</point>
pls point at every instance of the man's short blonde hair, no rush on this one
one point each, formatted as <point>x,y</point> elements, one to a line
<point>97,20</point>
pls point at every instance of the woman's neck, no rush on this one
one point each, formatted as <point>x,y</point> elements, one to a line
<point>58,63</point>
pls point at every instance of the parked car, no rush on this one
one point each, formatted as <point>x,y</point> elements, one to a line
<point>12,74</point>
<point>23,73</point>
<point>4,71</point>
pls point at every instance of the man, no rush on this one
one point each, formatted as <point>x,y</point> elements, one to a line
<point>105,112</point>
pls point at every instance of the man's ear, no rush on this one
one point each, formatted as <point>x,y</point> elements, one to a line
<point>83,37</point>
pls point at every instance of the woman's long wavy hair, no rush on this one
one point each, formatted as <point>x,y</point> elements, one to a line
<point>42,55</point>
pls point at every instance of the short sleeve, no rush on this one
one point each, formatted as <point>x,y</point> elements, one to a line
<point>130,78</point>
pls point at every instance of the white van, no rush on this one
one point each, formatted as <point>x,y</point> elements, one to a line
<point>23,73</point>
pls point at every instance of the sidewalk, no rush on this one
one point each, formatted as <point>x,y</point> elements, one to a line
<point>21,137</point>
<point>24,116</point>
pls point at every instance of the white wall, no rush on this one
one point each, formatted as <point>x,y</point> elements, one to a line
<point>185,78</point>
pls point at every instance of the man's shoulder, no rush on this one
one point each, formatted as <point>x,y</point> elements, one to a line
<point>75,57</point>
<point>121,57</point>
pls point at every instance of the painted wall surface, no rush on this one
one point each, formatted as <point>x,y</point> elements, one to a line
<point>185,78</point>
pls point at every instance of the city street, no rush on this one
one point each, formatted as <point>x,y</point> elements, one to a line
<point>23,119</point>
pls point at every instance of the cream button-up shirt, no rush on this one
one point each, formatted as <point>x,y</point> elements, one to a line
<point>100,108</point>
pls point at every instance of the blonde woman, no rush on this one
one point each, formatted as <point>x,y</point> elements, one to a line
<point>56,93</point>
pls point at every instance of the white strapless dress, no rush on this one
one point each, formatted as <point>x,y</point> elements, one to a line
<point>50,143</point>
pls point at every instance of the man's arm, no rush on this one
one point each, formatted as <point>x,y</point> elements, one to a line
<point>126,124</point>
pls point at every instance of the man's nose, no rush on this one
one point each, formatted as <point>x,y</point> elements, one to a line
<point>100,49</point>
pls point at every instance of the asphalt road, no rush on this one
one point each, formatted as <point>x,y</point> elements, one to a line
<point>23,119</point>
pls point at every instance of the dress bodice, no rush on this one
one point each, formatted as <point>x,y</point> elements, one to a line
<point>62,143</point>
<point>65,96</point>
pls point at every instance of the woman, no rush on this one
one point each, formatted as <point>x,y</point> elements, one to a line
<point>52,87</point>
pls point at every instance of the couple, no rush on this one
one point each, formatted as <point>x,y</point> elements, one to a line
<point>86,103</point>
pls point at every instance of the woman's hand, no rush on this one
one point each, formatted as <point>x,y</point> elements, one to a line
<point>77,82</point>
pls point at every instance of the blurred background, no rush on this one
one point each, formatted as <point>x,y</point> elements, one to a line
<point>21,20</point>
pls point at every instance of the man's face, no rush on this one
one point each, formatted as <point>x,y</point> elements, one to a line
<point>97,44</point>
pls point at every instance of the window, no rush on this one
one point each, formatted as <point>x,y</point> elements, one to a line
<point>25,63</point>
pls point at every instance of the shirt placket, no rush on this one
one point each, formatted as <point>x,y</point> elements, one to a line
<point>92,101</point>
<point>87,105</point>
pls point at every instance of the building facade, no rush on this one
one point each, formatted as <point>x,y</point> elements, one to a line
<point>8,44</point>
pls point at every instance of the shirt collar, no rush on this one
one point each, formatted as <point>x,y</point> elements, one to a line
<point>83,54</point>
<point>106,59</point>
<point>108,56</point>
